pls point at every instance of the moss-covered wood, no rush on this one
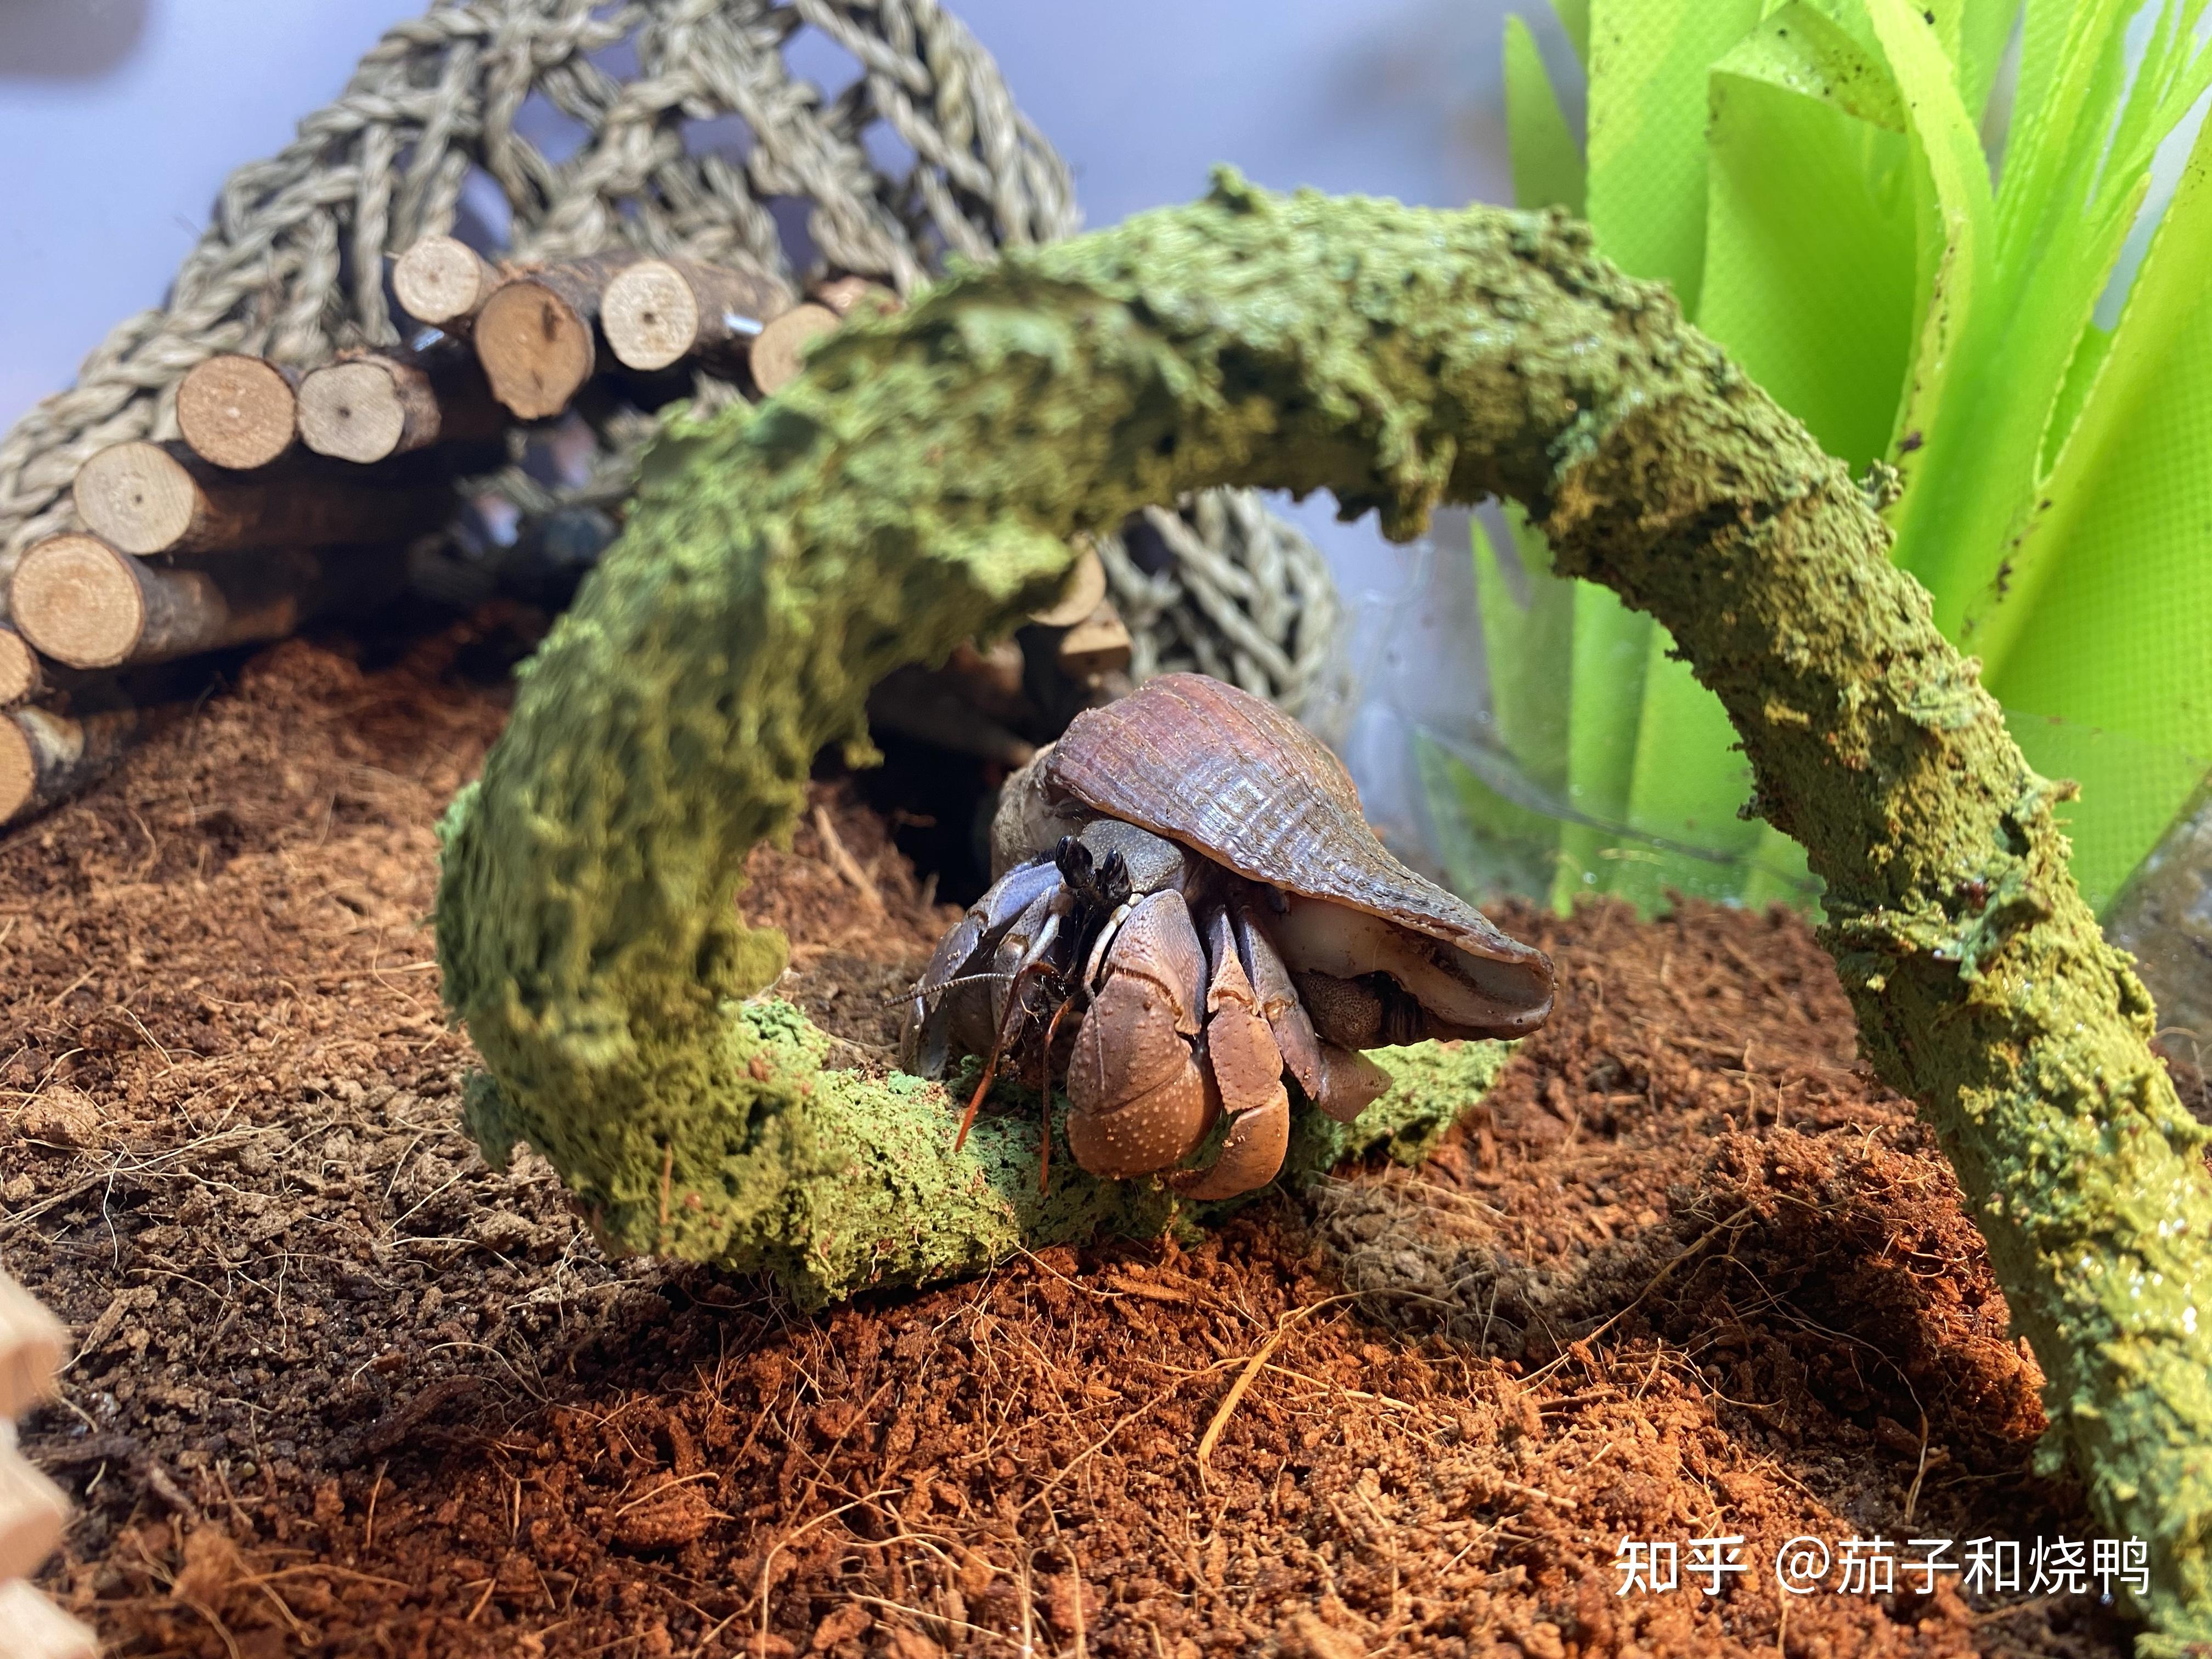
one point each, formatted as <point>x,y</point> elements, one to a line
<point>917,484</point>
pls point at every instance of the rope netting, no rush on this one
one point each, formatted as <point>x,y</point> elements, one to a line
<point>678,127</point>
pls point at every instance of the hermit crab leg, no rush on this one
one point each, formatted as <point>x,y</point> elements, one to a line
<point>924,1044</point>
<point>1044,1145</point>
<point>1276,997</point>
<point>1248,1071</point>
<point>1033,961</point>
<point>1339,1081</point>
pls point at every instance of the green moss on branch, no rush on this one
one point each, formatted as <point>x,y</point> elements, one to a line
<point>916,485</point>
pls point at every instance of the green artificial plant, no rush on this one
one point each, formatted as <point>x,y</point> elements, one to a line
<point>1814,180</point>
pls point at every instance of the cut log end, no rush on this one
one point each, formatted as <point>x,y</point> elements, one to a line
<point>19,770</point>
<point>1099,644</point>
<point>1086,589</point>
<point>355,411</point>
<point>650,314</point>
<point>37,1629</point>
<point>33,1345</point>
<point>777,350</point>
<point>45,758</point>
<point>236,412</point>
<point>18,669</point>
<point>535,347</point>
<point>138,497</point>
<point>441,281</point>
<point>79,601</point>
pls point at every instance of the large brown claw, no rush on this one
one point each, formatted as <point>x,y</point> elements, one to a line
<point>1136,1099</point>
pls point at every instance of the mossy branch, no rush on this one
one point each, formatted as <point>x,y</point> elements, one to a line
<point>916,485</point>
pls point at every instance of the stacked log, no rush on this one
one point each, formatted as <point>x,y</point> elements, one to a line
<point>291,492</point>
<point>442,282</point>
<point>238,411</point>
<point>658,312</point>
<point>375,406</point>
<point>33,1511</point>
<point>537,335</point>
<point>148,498</point>
<point>81,602</point>
<point>20,678</point>
<point>46,755</point>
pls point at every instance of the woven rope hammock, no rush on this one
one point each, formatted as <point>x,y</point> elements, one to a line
<point>294,265</point>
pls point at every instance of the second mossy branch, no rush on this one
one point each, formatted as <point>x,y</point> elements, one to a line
<point>1918,226</point>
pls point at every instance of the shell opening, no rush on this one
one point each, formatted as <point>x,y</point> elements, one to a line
<point>1463,994</point>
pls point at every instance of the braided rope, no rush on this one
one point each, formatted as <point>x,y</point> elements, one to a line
<point>1244,598</point>
<point>293,265</point>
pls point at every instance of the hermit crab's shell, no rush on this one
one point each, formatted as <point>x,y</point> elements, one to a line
<point>1233,777</point>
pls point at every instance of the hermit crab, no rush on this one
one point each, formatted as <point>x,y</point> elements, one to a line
<point>1189,905</point>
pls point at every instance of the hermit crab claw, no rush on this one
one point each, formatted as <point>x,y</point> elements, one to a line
<point>1246,1068</point>
<point>1137,1101</point>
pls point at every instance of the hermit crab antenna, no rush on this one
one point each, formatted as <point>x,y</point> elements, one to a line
<point>929,994</point>
<point>1036,964</point>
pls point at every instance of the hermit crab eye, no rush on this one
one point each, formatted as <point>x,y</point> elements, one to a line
<point>1073,858</point>
<point>1114,879</point>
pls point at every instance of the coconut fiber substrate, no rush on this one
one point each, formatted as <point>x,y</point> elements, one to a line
<point>344,1390</point>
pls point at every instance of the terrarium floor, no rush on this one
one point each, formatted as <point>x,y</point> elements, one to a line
<point>344,1390</point>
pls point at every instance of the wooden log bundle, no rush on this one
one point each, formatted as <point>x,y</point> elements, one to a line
<point>33,1511</point>
<point>292,487</point>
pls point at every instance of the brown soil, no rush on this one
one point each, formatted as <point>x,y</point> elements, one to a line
<point>344,1390</point>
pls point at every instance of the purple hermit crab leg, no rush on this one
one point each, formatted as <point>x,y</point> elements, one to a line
<point>924,1038</point>
<point>1278,997</point>
<point>1033,961</point>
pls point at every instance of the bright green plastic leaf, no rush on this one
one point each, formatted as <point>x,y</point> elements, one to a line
<point>2132,791</point>
<point>1574,17</point>
<point>1688,783</point>
<point>2114,626</point>
<point>2081,375</point>
<point>1973,33</point>
<point>1529,642</point>
<point>1647,60</point>
<point>1547,165</point>
<point>1810,246</point>
<point>2121,391</point>
<point>1953,269</point>
<point>2069,58</point>
<point>1613,644</point>
<point>2044,24</point>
